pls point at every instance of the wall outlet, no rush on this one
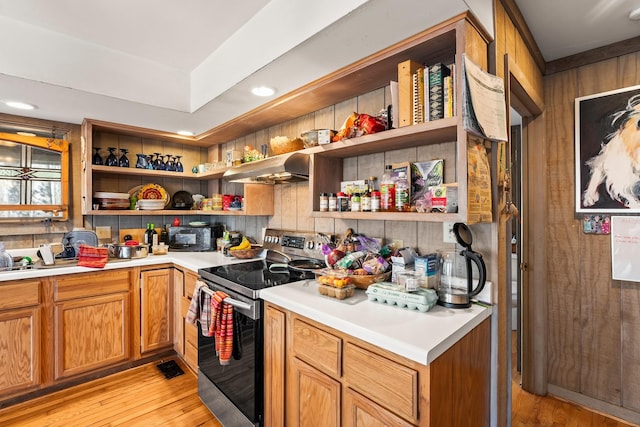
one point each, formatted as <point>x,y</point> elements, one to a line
<point>447,233</point>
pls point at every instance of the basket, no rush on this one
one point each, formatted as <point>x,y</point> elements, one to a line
<point>282,144</point>
<point>246,253</point>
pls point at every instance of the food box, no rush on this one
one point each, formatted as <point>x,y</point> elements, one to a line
<point>444,198</point>
<point>337,293</point>
<point>425,175</point>
<point>427,266</point>
<point>352,187</point>
<point>339,279</point>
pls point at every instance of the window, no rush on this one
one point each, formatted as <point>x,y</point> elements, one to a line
<point>33,177</point>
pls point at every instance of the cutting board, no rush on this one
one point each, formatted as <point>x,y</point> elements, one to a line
<point>136,234</point>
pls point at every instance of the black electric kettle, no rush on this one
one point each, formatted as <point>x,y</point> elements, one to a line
<point>454,291</point>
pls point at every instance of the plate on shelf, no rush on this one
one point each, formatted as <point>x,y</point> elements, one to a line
<point>234,209</point>
<point>198,224</point>
<point>151,192</point>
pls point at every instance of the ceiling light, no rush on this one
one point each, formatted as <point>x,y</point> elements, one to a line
<point>634,15</point>
<point>185,133</point>
<point>20,105</point>
<point>263,91</point>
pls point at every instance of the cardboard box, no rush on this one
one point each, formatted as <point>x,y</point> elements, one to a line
<point>351,187</point>
<point>427,265</point>
<point>424,175</point>
<point>444,198</point>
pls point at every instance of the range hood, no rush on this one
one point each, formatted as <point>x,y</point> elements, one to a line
<point>281,169</point>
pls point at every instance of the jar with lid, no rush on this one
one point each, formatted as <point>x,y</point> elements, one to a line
<point>343,202</point>
<point>375,201</point>
<point>333,202</point>
<point>324,202</point>
<point>355,202</point>
<point>365,202</point>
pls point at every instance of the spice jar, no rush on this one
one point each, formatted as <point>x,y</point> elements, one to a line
<point>375,201</point>
<point>365,202</point>
<point>333,202</point>
<point>324,202</point>
<point>343,202</point>
<point>355,202</point>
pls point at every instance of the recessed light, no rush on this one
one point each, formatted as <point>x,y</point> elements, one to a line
<point>185,133</point>
<point>20,105</point>
<point>26,133</point>
<point>263,91</point>
<point>634,15</point>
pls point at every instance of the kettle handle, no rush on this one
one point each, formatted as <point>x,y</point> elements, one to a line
<point>482,271</point>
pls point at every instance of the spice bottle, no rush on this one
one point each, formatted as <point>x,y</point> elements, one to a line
<point>355,202</point>
<point>324,202</point>
<point>333,202</point>
<point>365,202</point>
<point>343,202</point>
<point>375,201</point>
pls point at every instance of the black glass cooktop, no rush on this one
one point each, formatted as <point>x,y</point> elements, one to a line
<point>247,277</point>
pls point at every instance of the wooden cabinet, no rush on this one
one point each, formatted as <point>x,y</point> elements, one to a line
<point>186,339</point>
<point>20,336</point>
<point>91,321</point>
<point>101,135</point>
<point>316,375</point>
<point>156,310</point>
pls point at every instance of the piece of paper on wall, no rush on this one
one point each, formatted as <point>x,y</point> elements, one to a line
<point>478,182</point>
<point>625,248</point>
<point>484,106</point>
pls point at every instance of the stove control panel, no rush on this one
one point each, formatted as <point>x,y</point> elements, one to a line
<point>295,243</point>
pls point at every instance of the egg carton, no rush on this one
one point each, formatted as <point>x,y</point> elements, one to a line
<point>422,300</point>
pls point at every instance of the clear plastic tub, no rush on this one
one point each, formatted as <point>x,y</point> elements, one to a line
<point>337,293</point>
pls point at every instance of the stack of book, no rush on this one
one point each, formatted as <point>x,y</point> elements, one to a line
<point>425,92</point>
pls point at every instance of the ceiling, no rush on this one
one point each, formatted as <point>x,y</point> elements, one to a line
<point>170,65</point>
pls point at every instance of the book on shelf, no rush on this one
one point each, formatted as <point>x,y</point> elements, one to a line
<point>406,69</point>
<point>418,96</point>
<point>437,74</point>
<point>449,93</point>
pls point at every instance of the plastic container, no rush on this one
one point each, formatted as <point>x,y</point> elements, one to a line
<point>337,293</point>
<point>402,192</point>
<point>387,191</point>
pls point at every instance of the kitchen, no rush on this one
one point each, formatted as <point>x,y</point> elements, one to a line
<point>289,199</point>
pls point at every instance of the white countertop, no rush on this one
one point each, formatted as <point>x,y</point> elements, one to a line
<point>417,336</point>
<point>189,260</point>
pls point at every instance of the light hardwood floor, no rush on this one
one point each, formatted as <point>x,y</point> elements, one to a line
<point>143,397</point>
<point>140,396</point>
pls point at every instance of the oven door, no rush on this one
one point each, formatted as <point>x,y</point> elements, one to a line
<point>234,392</point>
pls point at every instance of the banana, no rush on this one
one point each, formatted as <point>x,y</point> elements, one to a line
<point>244,244</point>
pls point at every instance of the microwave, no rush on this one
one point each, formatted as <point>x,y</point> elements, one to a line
<point>194,239</point>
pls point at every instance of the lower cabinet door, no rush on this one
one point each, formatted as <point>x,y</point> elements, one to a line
<point>156,310</point>
<point>91,333</point>
<point>358,411</point>
<point>19,350</point>
<point>314,397</point>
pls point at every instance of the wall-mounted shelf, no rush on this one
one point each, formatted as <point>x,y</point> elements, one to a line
<point>216,174</point>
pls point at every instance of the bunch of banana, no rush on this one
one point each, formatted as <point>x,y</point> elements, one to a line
<point>244,244</point>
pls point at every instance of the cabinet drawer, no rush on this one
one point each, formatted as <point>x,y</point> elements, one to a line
<point>317,347</point>
<point>20,294</point>
<point>191,333</point>
<point>184,306</point>
<point>91,284</point>
<point>191,356</point>
<point>384,381</point>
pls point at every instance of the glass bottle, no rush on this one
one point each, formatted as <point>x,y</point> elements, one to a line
<point>387,191</point>
<point>355,202</point>
<point>402,192</point>
<point>333,202</point>
<point>375,201</point>
<point>324,202</point>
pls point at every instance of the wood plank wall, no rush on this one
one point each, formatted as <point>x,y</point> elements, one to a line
<point>594,321</point>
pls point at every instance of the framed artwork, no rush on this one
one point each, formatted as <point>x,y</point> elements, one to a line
<point>607,152</point>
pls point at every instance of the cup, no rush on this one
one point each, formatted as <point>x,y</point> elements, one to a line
<point>96,206</point>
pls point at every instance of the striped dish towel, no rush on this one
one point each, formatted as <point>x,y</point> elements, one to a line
<point>200,309</point>
<point>222,326</point>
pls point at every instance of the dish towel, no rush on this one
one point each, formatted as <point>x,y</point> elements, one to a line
<point>222,326</point>
<point>200,308</point>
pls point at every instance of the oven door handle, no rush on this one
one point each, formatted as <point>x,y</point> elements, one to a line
<point>233,302</point>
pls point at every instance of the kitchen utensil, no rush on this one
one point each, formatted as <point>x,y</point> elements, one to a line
<point>455,274</point>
